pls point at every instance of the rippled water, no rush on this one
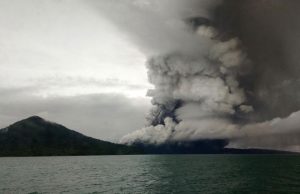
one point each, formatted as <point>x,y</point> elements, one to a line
<point>152,174</point>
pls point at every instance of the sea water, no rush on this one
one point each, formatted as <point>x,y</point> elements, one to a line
<point>164,174</point>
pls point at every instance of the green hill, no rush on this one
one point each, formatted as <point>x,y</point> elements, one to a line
<point>35,136</point>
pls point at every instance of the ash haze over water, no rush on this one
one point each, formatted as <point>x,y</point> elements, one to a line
<point>220,69</point>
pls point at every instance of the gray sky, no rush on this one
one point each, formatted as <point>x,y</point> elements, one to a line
<point>61,60</point>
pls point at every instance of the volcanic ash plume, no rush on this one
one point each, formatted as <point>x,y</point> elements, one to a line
<point>205,85</point>
<point>195,96</point>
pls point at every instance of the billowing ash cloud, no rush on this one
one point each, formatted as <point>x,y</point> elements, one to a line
<point>206,86</point>
<point>269,29</point>
<point>194,94</point>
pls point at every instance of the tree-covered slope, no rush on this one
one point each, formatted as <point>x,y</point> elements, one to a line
<point>35,136</point>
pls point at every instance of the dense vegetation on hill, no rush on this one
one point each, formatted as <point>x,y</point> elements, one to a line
<point>35,136</point>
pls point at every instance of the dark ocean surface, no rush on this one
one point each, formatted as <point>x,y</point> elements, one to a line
<point>180,174</point>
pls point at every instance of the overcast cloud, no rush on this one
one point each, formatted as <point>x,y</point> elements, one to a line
<point>62,61</point>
